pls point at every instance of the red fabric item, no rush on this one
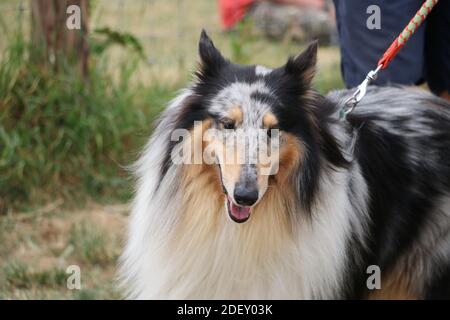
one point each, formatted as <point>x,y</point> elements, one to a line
<point>233,11</point>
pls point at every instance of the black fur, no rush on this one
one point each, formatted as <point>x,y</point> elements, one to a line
<point>406,171</point>
<point>403,193</point>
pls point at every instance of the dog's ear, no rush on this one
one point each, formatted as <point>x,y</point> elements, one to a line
<point>211,60</point>
<point>304,64</point>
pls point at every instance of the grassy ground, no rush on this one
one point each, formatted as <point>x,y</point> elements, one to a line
<point>52,162</point>
<point>37,247</point>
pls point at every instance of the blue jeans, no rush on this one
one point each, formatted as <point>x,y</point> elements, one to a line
<point>425,57</point>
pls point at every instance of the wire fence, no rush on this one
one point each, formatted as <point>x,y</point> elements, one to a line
<point>168,31</point>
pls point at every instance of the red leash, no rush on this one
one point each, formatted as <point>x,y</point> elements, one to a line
<point>404,36</point>
<point>388,56</point>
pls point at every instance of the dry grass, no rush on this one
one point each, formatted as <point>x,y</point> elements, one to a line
<point>37,247</point>
<point>169,31</point>
<point>171,45</point>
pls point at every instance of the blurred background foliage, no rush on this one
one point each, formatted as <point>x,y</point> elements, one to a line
<point>60,133</point>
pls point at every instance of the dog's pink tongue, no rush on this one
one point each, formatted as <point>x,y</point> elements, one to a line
<point>240,213</point>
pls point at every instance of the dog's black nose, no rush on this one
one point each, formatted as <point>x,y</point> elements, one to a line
<point>245,196</point>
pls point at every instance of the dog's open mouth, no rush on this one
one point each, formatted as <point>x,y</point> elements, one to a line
<point>236,212</point>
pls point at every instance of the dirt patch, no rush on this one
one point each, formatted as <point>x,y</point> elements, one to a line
<point>37,247</point>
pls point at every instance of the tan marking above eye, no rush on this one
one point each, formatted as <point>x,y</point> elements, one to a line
<point>270,121</point>
<point>235,114</point>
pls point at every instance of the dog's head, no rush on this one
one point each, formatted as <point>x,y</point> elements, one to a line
<point>261,124</point>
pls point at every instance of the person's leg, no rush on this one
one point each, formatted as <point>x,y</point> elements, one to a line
<point>361,48</point>
<point>437,50</point>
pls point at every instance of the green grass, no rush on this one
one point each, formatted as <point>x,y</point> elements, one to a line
<point>61,136</point>
<point>90,244</point>
<point>19,275</point>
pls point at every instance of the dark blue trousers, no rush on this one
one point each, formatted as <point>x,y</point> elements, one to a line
<point>425,57</point>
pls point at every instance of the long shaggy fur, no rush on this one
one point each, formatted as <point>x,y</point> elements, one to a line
<point>374,190</point>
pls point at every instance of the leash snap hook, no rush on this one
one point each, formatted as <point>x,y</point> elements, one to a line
<point>360,92</point>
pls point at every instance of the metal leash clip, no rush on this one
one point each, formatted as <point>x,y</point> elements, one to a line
<point>360,92</point>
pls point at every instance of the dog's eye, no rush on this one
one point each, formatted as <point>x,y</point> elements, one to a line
<point>229,125</point>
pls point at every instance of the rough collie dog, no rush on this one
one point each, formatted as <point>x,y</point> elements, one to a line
<point>373,190</point>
